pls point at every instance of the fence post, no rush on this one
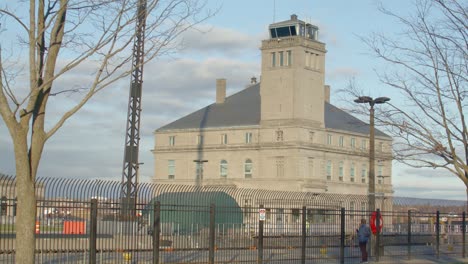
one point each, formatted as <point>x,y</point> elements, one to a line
<point>304,234</point>
<point>409,234</point>
<point>260,240</point>
<point>464,234</point>
<point>377,240</point>
<point>93,232</point>
<point>156,231</point>
<point>342,235</point>
<point>437,234</point>
<point>212,234</point>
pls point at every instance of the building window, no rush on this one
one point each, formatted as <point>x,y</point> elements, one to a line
<point>280,167</point>
<point>329,170</point>
<point>341,141</point>
<point>363,206</point>
<point>364,173</point>
<point>340,171</point>
<point>171,169</point>
<point>311,167</point>
<point>363,144</point>
<point>248,137</point>
<point>223,169</point>
<point>351,208</point>
<point>281,58</point>
<point>171,140</point>
<point>288,58</point>
<point>329,139</point>
<point>273,59</point>
<point>199,140</point>
<point>248,168</point>
<point>352,172</point>
<point>380,146</point>
<point>379,174</point>
<point>224,139</point>
<point>199,170</point>
<point>279,135</point>
<point>353,143</point>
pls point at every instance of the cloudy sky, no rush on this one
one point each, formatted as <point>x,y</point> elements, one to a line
<point>90,144</point>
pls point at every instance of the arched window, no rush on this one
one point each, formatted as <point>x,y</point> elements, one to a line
<point>223,168</point>
<point>248,168</point>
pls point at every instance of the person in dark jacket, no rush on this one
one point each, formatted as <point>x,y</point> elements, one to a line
<point>363,234</point>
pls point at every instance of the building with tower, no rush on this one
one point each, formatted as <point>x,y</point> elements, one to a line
<point>281,133</point>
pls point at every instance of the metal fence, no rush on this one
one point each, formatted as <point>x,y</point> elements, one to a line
<point>82,221</point>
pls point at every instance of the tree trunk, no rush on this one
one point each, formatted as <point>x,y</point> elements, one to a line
<point>26,209</point>
<point>466,209</point>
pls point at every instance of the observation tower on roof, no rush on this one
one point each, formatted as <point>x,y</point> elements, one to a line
<point>293,27</point>
<point>293,73</point>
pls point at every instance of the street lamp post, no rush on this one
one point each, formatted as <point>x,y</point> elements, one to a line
<point>371,192</point>
<point>371,102</point>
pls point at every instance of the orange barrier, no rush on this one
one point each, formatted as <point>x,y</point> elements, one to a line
<point>74,227</point>
<point>38,227</point>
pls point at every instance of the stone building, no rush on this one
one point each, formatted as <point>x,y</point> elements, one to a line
<point>281,133</point>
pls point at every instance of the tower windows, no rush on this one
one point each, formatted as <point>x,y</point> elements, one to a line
<point>224,139</point>
<point>223,169</point>
<point>273,59</point>
<point>340,171</point>
<point>364,173</point>
<point>171,169</point>
<point>248,168</point>
<point>329,170</point>
<point>288,58</point>
<point>248,137</point>
<point>171,140</point>
<point>352,172</point>
<point>281,58</point>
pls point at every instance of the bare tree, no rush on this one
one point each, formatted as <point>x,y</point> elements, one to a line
<point>62,37</point>
<point>427,65</point>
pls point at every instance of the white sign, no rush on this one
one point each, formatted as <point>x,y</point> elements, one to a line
<point>262,214</point>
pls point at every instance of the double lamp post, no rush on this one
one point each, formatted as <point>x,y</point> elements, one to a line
<point>371,102</point>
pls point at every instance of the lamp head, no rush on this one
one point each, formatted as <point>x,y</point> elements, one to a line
<point>363,100</point>
<point>381,100</point>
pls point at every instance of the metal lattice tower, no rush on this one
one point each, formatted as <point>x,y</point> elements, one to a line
<point>132,136</point>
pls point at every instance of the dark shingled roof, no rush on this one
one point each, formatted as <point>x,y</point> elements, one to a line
<point>243,109</point>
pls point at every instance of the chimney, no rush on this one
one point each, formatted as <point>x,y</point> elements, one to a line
<point>327,93</point>
<point>253,80</point>
<point>293,17</point>
<point>220,90</point>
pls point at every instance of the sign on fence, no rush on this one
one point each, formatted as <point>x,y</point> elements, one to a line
<point>262,214</point>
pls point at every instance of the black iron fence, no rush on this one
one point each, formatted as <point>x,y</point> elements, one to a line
<point>80,221</point>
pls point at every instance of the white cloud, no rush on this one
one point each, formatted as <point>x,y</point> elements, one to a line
<point>209,39</point>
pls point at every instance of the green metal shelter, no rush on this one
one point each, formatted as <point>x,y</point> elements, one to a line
<point>190,211</point>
